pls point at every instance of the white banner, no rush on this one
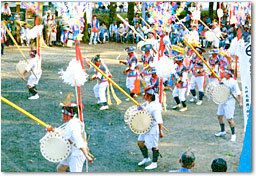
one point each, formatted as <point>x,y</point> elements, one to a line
<point>89,13</point>
<point>243,51</point>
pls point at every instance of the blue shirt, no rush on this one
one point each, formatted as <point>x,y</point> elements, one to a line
<point>182,169</point>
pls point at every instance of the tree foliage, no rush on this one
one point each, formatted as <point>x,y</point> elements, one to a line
<point>130,11</point>
<point>211,10</point>
<point>86,34</point>
<point>112,12</point>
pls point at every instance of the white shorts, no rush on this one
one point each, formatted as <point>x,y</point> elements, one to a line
<point>199,81</point>
<point>227,109</point>
<point>100,91</point>
<point>151,140</point>
<point>179,92</point>
<point>32,80</point>
<point>75,163</point>
<point>212,80</point>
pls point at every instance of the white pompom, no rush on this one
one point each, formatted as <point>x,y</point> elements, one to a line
<point>234,47</point>
<point>164,67</point>
<point>35,31</point>
<point>210,36</point>
<point>74,74</point>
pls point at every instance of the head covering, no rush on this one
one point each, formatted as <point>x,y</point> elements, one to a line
<point>199,49</point>
<point>153,71</point>
<point>114,21</point>
<point>96,59</point>
<point>33,52</point>
<point>146,47</point>
<point>179,58</point>
<point>214,23</point>
<point>11,18</point>
<point>121,25</point>
<point>129,49</point>
<point>230,71</point>
<point>214,51</point>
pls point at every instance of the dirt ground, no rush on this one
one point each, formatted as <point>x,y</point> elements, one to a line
<point>111,141</point>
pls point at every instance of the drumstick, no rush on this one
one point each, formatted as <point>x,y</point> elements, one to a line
<point>208,66</point>
<point>117,58</point>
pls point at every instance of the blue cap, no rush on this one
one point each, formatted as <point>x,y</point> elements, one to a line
<point>214,51</point>
<point>179,58</point>
<point>11,18</point>
<point>146,47</point>
<point>129,49</point>
<point>114,21</point>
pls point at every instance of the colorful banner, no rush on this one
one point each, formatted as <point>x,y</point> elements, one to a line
<point>243,51</point>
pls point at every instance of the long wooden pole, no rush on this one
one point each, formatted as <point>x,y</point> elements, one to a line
<point>117,86</point>
<point>199,55</point>
<point>40,122</point>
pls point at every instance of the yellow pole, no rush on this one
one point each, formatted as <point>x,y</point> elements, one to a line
<point>113,82</point>
<point>10,34</point>
<point>117,86</point>
<point>40,122</point>
<point>207,65</point>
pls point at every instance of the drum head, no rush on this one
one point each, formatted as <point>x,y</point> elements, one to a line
<point>210,36</point>
<point>209,89</point>
<point>20,68</point>
<point>220,94</point>
<point>55,147</point>
<point>140,122</point>
<point>128,113</point>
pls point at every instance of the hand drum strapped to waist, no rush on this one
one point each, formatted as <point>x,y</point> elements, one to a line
<point>219,93</point>
<point>54,146</point>
<point>139,121</point>
<point>20,68</point>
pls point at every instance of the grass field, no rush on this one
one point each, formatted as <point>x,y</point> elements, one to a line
<point>111,141</point>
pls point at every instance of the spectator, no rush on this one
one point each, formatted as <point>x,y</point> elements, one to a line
<point>130,36</point>
<point>219,165</point>
<point>94,30</point>
<point>140,31</point>
<point>53,38</point>
<point>187,162</point>
<point>48,30</point>
<point>136,19</point>
<point>64,36</point>
<point>5,12</point>
<point>113,31</point>
<point>3,38</point>
<point>103,33</point>
<point>13,29</point>
<point>121,34</point>
<point>217,32</point>
<point>24,35</point>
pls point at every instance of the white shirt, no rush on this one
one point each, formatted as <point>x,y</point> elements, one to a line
<point>155,109</point>
<point>217,32</point>
<point>35,65</point>
<point>73,132</point>
<point>233,86</point>
<point>6,10</point>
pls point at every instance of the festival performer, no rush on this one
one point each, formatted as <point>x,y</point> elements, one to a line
<point>147,60</point>
<point>132,71</point>
<point>95,30</point>
<point>150,139</point>
<point>3,38</point>
<point>224,65</point>
<point>198,78</point>
<point>227,109</point>
<point>154,83</point>
<point>34,67</point>
<point>217,32</point>
<point>152,41</point>
<point>214,63</point>
<point>102,84</point>
<point>74,132</point>
<point>181,85</point>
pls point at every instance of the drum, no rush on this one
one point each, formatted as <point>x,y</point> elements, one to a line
<point>20,68</point>
<point>54,146</point>
<point>210,36</point>
<point>139,121</point>
<point>219,93</point>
